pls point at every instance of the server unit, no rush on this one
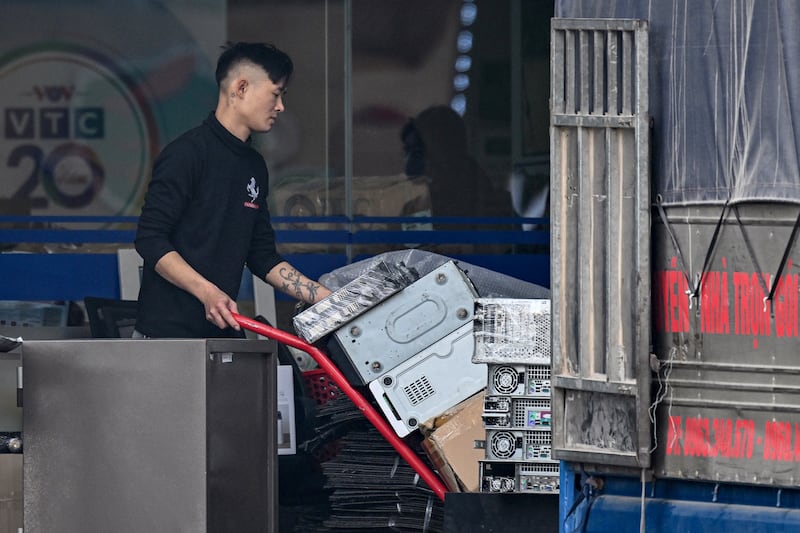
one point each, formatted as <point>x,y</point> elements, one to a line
<point>505,412</point>
<point>518,445</point>
<point>533,477</point>
<point>404,324</point>
<point>150,435</point>
<point>513,337</point>
<point>519,380</point>
<point>430,382</point>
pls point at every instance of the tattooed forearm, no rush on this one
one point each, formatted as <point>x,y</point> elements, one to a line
<point>312,289</point>
<point>294,283</point>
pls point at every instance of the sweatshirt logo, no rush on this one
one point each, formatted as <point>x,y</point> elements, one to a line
<point>252,191</point>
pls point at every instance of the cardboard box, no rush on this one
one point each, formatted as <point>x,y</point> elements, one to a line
<point>450,444</point>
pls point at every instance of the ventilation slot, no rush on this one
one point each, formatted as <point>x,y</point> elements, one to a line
<point>419,391</point>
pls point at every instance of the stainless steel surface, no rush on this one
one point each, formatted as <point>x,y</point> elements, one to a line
<point>10,492</point>
<point>600,240</point>
<point>10,414</point>
<point>46,332</point>
<point>150,435</point>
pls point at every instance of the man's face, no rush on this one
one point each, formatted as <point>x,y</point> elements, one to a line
<point>262,101</point>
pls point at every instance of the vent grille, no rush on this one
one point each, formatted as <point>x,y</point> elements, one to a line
<point>539,468</point>
<point>511,331</point>
<point>503,445</point>
<point>419,391</point>
<point>505,380</point>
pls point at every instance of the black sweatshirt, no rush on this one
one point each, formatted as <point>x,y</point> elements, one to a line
<point>207,200</point>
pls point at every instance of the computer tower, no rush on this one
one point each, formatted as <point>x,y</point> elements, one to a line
<point>432,381</point>
<point>404,324</point>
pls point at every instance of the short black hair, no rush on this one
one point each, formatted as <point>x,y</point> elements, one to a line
<point>275,62</point>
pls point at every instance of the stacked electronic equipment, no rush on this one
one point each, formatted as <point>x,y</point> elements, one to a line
<point>512,337</point>
<point>409,340</point>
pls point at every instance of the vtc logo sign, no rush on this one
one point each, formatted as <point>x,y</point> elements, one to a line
<point>59,122</point>
<point>63,152</point>
<point>45,123</point>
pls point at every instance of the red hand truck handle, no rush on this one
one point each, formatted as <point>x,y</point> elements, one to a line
<point>363,405</point>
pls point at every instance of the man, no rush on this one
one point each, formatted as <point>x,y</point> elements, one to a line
<point>205,213</point>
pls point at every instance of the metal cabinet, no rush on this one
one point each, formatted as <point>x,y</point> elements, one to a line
<point>150,435</point>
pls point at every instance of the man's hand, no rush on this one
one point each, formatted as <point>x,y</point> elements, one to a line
<point>219,307</point>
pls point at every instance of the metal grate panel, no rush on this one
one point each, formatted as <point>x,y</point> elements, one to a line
<point>539,468</point>
<point>511,330</point>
